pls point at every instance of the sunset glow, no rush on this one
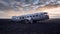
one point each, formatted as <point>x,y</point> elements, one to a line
<point>53,12</point>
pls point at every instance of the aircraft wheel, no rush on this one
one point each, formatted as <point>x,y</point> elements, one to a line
<point>31,21</point>
<point>26,21</point>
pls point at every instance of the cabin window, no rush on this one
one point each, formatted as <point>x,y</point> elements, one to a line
<point>27,16</point>
<point>33,15</point>
<point>36,15</point>
<point>22,17</point>
<point>30,16</point>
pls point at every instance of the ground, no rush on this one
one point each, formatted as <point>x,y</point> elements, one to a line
<point>51,26</point>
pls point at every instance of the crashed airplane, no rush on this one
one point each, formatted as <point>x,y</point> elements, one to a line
<point>30,18</point>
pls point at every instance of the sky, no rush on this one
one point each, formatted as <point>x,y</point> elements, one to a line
<point>9,8</point>
<point>24,4</point>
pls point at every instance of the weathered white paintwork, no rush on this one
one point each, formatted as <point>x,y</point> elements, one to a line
<point>31,17</point>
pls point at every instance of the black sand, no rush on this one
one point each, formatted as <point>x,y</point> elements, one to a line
<point>46,27</point>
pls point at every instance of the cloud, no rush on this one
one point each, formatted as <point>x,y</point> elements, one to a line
<point>6,5</point>
<point>16,4</point>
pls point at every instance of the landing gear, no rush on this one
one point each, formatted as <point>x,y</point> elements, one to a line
<point>28,21</point>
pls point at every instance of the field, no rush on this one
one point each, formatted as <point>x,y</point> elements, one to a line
<point>51,26</point>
